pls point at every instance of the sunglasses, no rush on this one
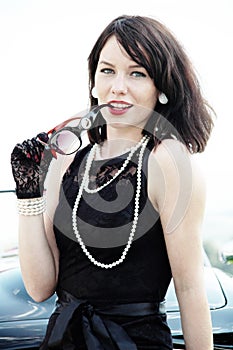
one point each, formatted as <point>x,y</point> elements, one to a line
<point>65,138</point>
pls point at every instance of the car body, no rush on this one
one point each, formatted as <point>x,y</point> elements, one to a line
<point>23,321</point>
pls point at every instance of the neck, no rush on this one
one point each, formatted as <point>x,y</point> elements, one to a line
<point>119,141</point>
<point>133,133</point>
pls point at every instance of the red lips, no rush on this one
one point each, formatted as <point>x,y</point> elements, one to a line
<point>119,107</point>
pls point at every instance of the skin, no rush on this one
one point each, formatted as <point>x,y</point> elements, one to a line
<point>178,194</point>
<point>119,79</point>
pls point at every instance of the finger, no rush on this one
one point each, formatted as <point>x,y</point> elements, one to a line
<point>32,150</point>
<point>37,146</point>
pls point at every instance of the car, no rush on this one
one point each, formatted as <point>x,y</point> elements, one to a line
<point>23,321</point>
<point>219,288</point>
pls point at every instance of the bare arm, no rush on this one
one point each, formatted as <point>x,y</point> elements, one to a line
<point>38,252</point>
<point>38,257</point>
<point>179,195</point>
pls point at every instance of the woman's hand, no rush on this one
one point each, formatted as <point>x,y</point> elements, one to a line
<point>30,162</point>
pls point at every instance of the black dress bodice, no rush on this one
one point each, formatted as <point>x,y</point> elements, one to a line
<point>104,221</point>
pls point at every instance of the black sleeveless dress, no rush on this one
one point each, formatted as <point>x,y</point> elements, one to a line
<point>140,282</point>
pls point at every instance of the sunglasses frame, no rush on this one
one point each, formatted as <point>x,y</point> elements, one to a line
<point>86,122</point>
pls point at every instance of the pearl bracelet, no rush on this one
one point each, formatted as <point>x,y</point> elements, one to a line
<point>31,206</point>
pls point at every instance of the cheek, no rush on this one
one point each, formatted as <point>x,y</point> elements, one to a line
<point>152,98</point>
<point>148,92</point>
<point>101,88</point>
<point>101,81</point>
<point>155,94</point>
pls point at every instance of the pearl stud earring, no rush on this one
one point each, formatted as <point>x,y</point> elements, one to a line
<point>94,93</point>
<point>163,98</point>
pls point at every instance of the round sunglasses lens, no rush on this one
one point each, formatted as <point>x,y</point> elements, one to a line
<point>65,142</point>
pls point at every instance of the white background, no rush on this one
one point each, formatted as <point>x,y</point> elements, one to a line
<point>44,45</point>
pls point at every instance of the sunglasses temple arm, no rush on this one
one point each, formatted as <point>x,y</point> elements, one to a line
<point>88,120</point>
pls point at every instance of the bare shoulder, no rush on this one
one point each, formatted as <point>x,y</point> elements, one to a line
<point>168,152</point>
<point>173,159</point>
<point>173,170</point>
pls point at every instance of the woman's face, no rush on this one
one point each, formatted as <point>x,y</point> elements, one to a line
<point>125,85</point>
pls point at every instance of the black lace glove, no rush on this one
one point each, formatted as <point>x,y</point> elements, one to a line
<point>30,162</point>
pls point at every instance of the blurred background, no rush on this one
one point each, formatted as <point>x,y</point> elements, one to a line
<point>44,45</point>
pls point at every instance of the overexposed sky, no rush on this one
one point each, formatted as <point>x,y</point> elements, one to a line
<point>44,45</point>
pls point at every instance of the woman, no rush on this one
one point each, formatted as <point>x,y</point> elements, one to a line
<point>130,205</point>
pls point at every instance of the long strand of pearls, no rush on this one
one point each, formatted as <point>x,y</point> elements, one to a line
<point>136,205</point>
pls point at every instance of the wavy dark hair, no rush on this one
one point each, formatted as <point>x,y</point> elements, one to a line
<point>150,44</point>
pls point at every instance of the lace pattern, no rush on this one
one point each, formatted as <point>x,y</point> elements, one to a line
<point>103,171</point>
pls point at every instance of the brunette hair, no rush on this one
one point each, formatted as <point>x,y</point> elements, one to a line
<point>150,44</point>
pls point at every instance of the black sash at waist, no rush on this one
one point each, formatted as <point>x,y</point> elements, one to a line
<point>99,332</point>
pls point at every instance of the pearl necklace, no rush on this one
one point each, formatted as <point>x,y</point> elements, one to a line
<point>124,165</point>
<point>84,186</point>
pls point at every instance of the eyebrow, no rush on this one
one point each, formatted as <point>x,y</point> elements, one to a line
<point>112,65</point>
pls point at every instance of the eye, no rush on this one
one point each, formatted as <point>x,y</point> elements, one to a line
<point>107,71</point>
<point>138,74</point>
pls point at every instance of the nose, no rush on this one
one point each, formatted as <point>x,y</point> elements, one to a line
<point>119,86</point>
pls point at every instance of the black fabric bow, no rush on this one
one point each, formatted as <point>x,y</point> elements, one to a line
<point>99,332</point>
